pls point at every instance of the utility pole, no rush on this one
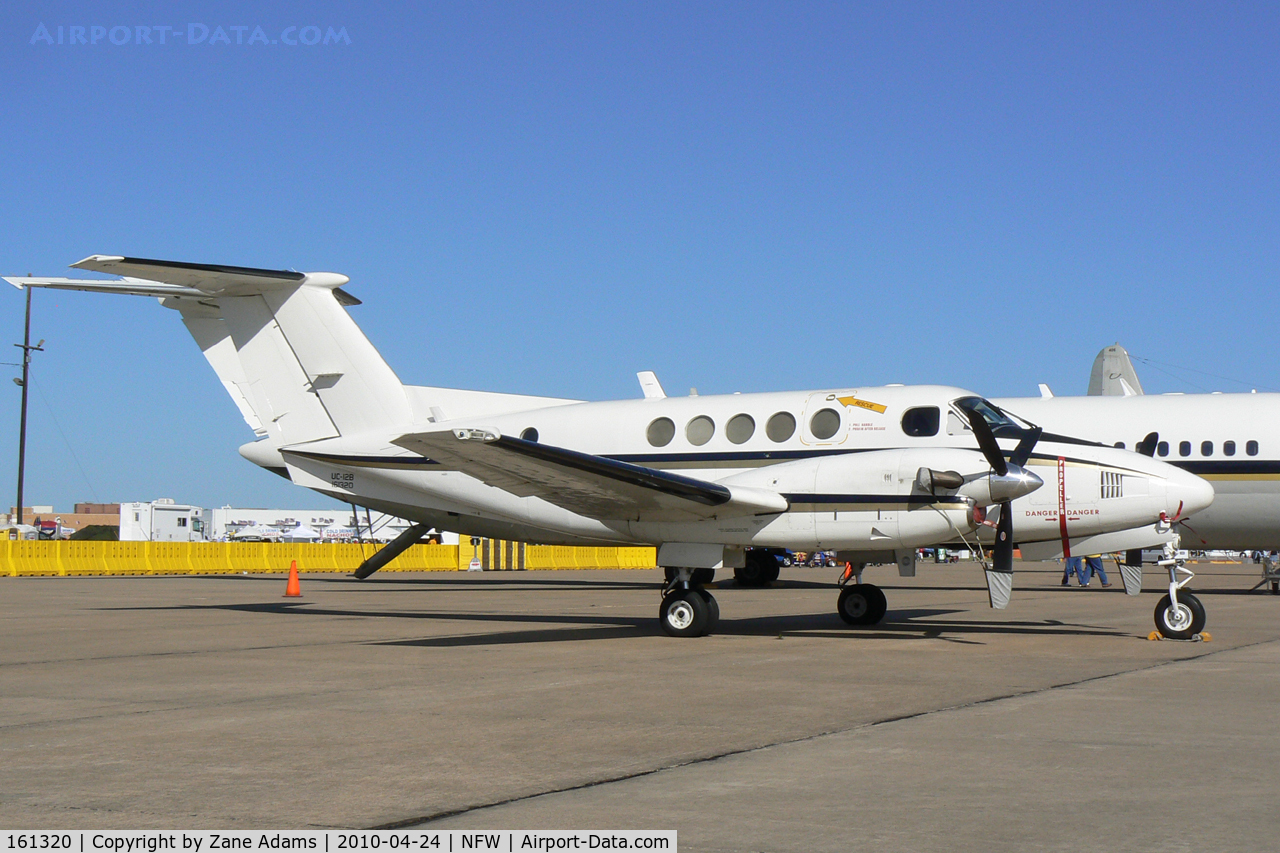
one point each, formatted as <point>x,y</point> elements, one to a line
<point>27,349</point>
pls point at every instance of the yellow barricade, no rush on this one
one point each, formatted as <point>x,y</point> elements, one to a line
<point>168,558</point>
<point>125,558</point>
<point>248,557</point>
<point>20,558</point>
<point>209,558</point>
<point>427,558</point>
<point>83,558</point>
<point>346,556</point>
<point>637,558</point>
<point>29,559</point>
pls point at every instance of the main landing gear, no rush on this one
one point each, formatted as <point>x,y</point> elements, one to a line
<point>761,568</point>
<point>860,603</point>
<point>687,609</point>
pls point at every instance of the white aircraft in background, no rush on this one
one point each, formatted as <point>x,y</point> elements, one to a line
<point>1231,440</point>
<point>869,472</point>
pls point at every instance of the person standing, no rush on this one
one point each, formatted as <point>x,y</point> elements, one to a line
<point>1093,566</point>
<point>1073,567</point>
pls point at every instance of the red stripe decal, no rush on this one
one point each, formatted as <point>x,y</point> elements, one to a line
<point>1062,506</point>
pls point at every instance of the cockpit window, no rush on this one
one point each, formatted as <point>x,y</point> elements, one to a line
<point>1000,423</point>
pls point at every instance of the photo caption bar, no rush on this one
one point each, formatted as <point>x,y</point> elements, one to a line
<point>335,840</point>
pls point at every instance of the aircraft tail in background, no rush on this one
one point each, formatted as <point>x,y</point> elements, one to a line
<point>1113,374</point>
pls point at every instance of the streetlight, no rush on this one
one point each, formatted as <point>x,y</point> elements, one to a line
<point>27,349</point>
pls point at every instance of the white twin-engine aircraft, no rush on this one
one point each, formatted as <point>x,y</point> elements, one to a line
<point>714,482</point>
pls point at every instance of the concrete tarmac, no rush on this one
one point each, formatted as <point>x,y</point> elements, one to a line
<point>552,700</point>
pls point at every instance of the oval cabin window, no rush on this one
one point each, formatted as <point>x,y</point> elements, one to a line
<point>824,424</point>
<point>699,430</point>
<point>740,428</point>
<point>661,431</point>
<point>780,427</point>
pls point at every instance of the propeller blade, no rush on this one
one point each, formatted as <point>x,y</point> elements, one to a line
<point>1000,575</point>
<point>987,441</point>
<point>1022,452</point>
<point>1147,447</point>
<point>1002,554</point>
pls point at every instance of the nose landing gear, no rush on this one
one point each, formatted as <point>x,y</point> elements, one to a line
<point>1179,614</point>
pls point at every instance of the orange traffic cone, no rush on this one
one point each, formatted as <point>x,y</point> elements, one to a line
<point>293,589</point>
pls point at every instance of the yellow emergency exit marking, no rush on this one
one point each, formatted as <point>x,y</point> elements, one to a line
<point>862,404</point>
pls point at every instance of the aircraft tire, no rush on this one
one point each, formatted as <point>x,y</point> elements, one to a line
<point>760,564</point>
<point>1183,623</point>
<point>684,613</point>
<point>713,611</point>
<point>862,604</point>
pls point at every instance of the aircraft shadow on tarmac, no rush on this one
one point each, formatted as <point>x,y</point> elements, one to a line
<point>921,624</point>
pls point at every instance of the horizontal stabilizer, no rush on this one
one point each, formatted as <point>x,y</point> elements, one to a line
<point>594,486</point>
<point>147,277</point>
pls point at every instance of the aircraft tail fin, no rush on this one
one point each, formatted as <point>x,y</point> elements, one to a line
<point>1113,374</point>
<point>281,341</point>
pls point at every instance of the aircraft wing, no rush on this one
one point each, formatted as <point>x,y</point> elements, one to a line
<point>593,486</point>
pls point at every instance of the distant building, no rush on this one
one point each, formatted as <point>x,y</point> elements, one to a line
<point>85,514</point>
<point>161,520</point>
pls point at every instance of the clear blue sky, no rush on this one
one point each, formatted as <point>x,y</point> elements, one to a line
<point>547,197</point>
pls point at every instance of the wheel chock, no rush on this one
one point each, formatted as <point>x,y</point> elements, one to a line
<point>1202,637</point>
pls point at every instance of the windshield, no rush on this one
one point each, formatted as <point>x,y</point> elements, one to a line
<point>1000,423</point>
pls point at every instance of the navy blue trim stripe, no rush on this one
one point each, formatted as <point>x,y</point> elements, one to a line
<point>796,497</point>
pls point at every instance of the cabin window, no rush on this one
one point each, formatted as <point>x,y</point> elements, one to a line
<point>740,428</point>
<point>661,431</point>
<point>1251,448</point>
<point>1120,444</point>
<point>1163,448</point>
<point>921,421</point>
<point>824,424</point>
<point>1206,448</point>
<point>699,430</point>
<point>1184,448</point>
<point>530,434</point>
<point>780,427</point>
<point>1228,448</point>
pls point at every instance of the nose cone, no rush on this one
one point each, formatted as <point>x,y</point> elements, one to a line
<point>1186,492</point>
<point>1017,483</point>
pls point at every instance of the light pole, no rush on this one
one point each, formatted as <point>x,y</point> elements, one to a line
<point>27,349</point>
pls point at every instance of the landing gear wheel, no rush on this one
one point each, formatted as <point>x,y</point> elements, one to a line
<point>700,576</point>
<point>684,613</point>
<point>862,604</point>
<point>713,611</point>
<point>761,569</point>
<point>1182,622</point>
